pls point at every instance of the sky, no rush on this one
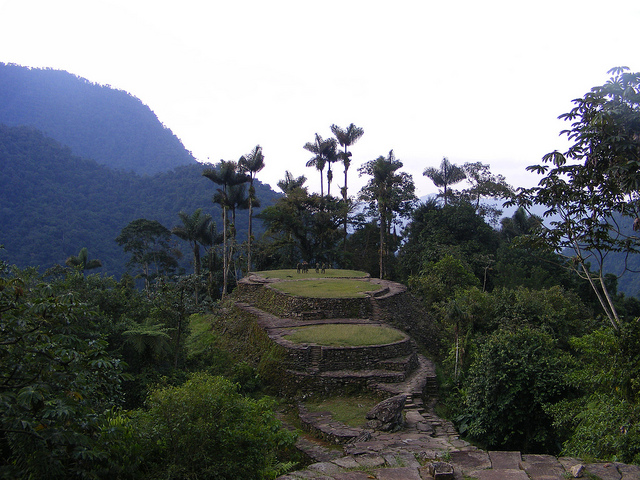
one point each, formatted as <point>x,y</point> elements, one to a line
<point>473,81</point>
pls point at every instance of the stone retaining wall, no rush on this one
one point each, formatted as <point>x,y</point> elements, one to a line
<point>345,358</point>
<point>284,305</point>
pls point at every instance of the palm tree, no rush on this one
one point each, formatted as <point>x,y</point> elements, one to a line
<point>330,152</point>
<point>82,262</point>
<point>346,137</point>
<point>251,163</point>
<point>194,229</point>
<point>226,174</point>
<point>289,183</point>
<point>380,189</point>
<point>325,153</point>
<point>448,174</point>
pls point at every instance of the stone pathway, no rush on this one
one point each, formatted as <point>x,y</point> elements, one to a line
<point>425,438</point>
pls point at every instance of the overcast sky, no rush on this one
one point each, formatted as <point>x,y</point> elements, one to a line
<point>470,80</point>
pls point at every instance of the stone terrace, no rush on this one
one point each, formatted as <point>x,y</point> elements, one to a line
<point>388,370</point>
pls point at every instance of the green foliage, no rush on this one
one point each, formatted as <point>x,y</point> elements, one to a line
<point>455,230</point>
<point>602,419</point>
<point>206,429</point>
<point>596,180</point>
<point>516,374</point>
<point>300,227</point>
<point>57,381</point>
<point>389,196</point>
<point>53,203</point>
<point>448,174</point>
<point>442,279</point>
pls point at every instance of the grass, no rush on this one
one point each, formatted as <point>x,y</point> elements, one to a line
<point>345,335</point>
<point>349,410</point>
<point>329,273</point>
<point>327,288</point>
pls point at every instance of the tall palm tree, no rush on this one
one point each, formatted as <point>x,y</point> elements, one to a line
<point>226,174</point>
<point>251,163</point>
<point>325,153</point>
<point>330,152</point>
<point>82,262</point>
<point>194,229</point>
<point>448,174</point>
<point>346,137</point>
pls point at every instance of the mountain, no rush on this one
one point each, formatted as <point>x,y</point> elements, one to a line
<point>53,203</point>
<point>97,122</point>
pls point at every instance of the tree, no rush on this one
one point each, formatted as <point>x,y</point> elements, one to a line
<point>206,429</point>
<point>346,137</point>
<point>251,164</point>
<point>303,226</point>
<point>455,229</point>
<point>57,381</point>
<point>82,261</point>
<point>448,174</point>
<point>594,184</point>
<point>289,183</point>
<point>225,174</point>
<point>387,193</point>
<point>516,374</point>
<point>194,229</point>
<point>149,243</point>
<point>485,184</point>
<point>325,154</point>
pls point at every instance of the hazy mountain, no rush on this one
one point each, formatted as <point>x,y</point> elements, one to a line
<point>97,122</point>
<point>53,203</point>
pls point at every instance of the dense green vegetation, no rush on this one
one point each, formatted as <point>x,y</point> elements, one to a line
<point>96,121</point>
<point>52,203</point>
<point>537,350</point>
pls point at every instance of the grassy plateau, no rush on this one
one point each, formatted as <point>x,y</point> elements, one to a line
<point>345,335</point>
<point>288,274</point>
<point>327,288</point>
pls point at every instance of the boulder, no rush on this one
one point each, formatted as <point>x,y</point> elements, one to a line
<point>387,415</point>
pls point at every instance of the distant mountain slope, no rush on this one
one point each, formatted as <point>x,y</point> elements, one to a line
<point>97,122</point>
<point>53,203</point>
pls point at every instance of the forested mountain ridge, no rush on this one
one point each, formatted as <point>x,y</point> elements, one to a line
<point>53,203</point>
<point>98,122</point>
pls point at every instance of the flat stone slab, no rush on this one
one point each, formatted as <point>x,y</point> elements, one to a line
<point>505,460</point>
<point>628,472</point>
<point>606,471</point>
<point>502,474</point>
<point>352,476</point>
<point>370,461</point>
<point>468,461</point>
<point>542,467</point>
<point>346,462</point>
<point>327,468</point>
<point>401,473</point>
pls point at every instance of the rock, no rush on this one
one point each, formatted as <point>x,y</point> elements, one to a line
<point>577,471</point>
<point>441,471</point>
<point>387,415</point>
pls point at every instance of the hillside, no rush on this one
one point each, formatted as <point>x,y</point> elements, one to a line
<point>97,122</point>
<point>53,203</point>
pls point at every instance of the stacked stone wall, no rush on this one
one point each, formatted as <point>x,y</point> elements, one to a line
<point>284,305</point>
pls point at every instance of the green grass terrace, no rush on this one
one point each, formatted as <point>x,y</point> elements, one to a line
<point>345,335</point>
<point>292,274</point>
